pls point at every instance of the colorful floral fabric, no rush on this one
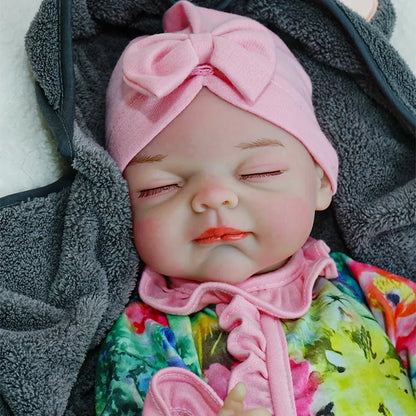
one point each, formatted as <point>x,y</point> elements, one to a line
<point>353,352</point>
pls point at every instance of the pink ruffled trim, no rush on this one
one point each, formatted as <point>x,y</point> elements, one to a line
<point>174,391</point>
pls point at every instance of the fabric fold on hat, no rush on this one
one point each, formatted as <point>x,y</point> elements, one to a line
<point>236,58</point>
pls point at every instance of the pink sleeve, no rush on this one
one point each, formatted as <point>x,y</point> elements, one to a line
<point>174,391</point>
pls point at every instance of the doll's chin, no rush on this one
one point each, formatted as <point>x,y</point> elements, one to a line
<point>273,267</point>
<point>225,264</point>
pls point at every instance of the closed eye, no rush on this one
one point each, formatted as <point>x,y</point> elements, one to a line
<point>261,174</point>
<point>156,191</point>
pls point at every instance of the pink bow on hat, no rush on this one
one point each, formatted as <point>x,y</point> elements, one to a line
<point>240,49</point>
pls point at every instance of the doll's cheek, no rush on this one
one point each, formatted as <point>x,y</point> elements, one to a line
<point>148,237</point>
<point>290,217</point>
<point>157,245</point>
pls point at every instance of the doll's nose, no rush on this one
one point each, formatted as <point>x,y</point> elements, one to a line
<point>214,197</point>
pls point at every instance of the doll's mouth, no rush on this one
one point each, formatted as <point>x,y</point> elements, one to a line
<point>214,235</point>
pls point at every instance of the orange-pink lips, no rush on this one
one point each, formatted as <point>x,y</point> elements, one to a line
<point>214,235</point>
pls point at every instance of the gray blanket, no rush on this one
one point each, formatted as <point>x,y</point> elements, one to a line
<point>67,263</point>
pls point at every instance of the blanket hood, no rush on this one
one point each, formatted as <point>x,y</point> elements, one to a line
<point>67,261</point>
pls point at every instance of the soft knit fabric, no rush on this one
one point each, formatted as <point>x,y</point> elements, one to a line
<point>321,357</point>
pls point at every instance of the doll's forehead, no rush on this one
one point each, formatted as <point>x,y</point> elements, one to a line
<point>211,127</point>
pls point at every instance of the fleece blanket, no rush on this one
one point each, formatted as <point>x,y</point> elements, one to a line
<point>67,262</point>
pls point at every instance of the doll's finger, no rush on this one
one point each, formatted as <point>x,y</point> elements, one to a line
<point>238,393</point>
<point>226,412</point>
<point>257,412</point>
<point>233,403</point>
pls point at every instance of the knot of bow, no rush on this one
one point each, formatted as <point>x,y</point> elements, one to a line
<point>241,50</point>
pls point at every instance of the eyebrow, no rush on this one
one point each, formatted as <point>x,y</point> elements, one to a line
<point>147,159</point>
<point>260,143</point>
<point>245,145</point>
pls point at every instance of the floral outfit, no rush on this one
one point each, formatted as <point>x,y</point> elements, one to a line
<point>321,336</point>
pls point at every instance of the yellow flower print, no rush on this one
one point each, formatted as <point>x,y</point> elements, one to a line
<point>363,373</point>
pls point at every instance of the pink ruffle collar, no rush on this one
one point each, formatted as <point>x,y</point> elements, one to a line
<point>285,293</point>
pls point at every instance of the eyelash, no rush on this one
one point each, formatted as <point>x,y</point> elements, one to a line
<point>155,191</point>
<point>261,175</point>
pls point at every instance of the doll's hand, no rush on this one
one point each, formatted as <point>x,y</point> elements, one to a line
<point>233,404</point>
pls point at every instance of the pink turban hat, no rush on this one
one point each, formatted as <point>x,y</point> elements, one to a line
<point>235,57</point>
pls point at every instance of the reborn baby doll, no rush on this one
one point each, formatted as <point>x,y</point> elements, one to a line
<point>240,312</point>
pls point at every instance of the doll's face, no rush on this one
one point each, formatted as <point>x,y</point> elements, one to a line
<point>221,195</point>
